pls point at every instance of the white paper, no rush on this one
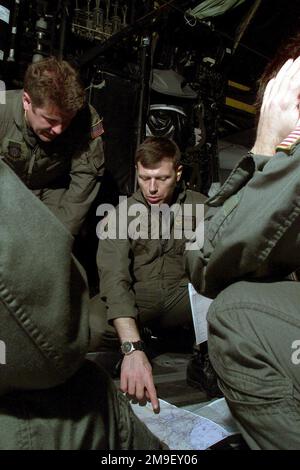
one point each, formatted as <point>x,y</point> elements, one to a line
<point>4,14</point>
<point>218,411</point>
<point>199,307</point>
<point>180,429</point>
<point>2,89</point>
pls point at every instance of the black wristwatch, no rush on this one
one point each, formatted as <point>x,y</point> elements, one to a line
<point>128,347</point>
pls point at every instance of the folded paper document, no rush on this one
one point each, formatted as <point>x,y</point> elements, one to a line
<point>199,307</point>
<point>183,430</point>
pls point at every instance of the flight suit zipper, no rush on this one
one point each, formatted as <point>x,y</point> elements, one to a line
<point>31,164</point>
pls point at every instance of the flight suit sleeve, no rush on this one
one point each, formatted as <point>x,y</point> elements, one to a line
<point>44,296</point>
<point>116,284</point>
<point>261,236</point>
<point>2,125</point>
<point>197,254</point>
<point>6,119</point>
<point>71,205</point>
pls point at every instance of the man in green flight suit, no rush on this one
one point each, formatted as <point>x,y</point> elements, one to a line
<point>142,277</point>
<point>250,249</point>
<point>52,140</point>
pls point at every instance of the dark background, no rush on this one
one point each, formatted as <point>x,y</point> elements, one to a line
<point>122,62</point>
<point>117,71</point>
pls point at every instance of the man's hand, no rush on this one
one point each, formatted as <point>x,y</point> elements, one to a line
<point>137,380</point>
<point>136,371</point>
<point>279,113</point>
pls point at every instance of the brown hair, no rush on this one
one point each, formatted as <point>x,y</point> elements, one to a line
<point>55,81</point>
<point>289,49</point>
<point>154,149</point>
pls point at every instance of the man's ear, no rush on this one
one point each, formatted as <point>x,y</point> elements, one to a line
<point>26,101</point>
<point>178,173</point>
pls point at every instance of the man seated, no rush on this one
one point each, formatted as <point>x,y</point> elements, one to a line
<point>52,140</point>
<point>142,276</point>
<point>254,326</point>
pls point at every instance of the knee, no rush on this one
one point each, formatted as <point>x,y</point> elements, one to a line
<point>245,325</point>
<point>230,320</point>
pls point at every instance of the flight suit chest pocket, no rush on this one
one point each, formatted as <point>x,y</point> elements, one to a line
<point>15,154</point>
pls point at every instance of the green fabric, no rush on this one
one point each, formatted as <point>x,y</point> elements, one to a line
<point>159,308</point>
<point>231,204</point>
<point>252,325</point>
<point>252,234</point>
<point>210,8</point>
<point>51,398</point>
<point>65,173</point>
<point>85,413</point>
<point>261,240</point>
<point>126,264</point>
<point>252,328</point>
<point>43,324</point>
<point>251,241</point>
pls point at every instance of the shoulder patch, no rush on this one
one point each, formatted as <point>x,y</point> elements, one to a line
<point>97,129</point>
<point>14,150</point>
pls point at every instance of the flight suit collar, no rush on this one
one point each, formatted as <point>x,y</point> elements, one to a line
<point>19,111</point>
<point>20,121</point>
<point>29,136</point>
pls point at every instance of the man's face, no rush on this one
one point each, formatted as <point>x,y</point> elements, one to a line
<point>158,183</point>
<point>47,122</point>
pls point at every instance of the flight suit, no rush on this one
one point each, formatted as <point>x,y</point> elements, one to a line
<point>252,244</point>
<point>65,173</point>
<point>254,230</point>
<point>142,275</point>
<point>51,397</point>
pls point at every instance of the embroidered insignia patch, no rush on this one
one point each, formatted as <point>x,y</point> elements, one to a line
<point>14,150</point>
<point>97,129</point>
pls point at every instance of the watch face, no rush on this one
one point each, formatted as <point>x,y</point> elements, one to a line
<point>127,347</point>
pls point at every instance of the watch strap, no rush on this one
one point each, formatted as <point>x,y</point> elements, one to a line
<point>128,347</point>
